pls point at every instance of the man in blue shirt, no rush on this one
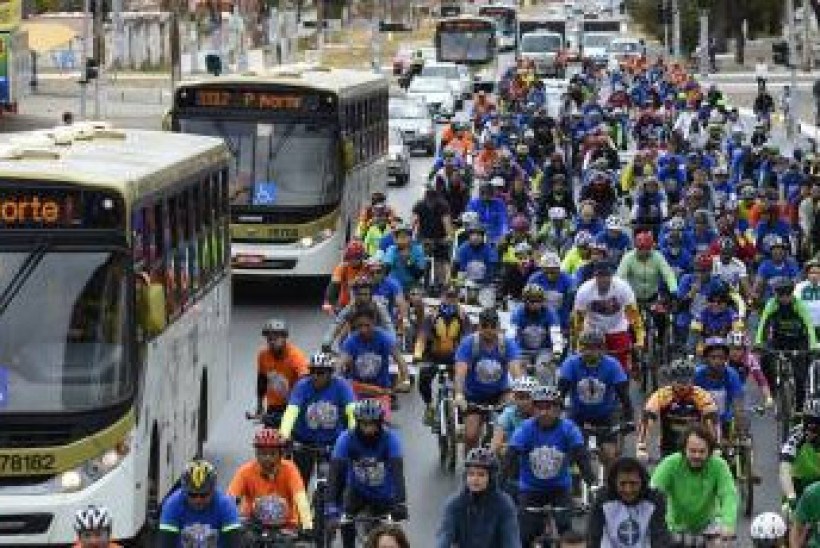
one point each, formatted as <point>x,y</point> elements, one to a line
<point>539,455</point>
<point>198,503</point>
<point>367,471</point>
<point>557,286</point>
<point>536,326</point>
<point>778,265</point>
<point>595,382</point>
<point>319,409</point>
<point>484,362</point>
<point>722,382</point>
<point>492,212</point>
<point>476,260</point>
<point>405,257</point>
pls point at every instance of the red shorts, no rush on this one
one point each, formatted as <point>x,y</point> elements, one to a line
<point>619,345</point>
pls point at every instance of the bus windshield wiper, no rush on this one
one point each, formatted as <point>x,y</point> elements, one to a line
<point>31,262</point>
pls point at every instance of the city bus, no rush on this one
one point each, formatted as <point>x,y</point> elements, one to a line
<point>506,20</point>
<point>114,307</point>
<point>469,40</point>
<point>309,147</point>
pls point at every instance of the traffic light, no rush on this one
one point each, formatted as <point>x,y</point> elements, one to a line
<point>92,70</point>
<point>780,53</point>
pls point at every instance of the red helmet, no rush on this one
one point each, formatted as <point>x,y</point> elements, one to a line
<point>269,438</point>
<point>354,251</point>
<point>644,241</point>
<point>703,261</point>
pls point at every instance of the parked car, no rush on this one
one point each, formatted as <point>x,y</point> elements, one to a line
<point>398,157</point>
<point>412,118</point>
<point>458,76</point>
<point>438,95</point>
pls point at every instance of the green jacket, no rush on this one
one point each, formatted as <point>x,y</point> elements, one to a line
<point>772,306</point>
<point>695,499</point>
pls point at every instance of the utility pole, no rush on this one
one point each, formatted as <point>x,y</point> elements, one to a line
<point>676,29</point>
<point>704,42</point>
<point>99,52</point>
<point>807,52</point>
<point>790,100</point>
<point>174,44</point>
<point>86,42</point>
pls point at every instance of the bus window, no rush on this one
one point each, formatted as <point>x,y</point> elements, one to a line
<point>203,193</point>
<point>169,222</point>
<point>193,237</point>
<point>182,250</point>
<point>153,222</point>
<point>222,217</point>
<point>138,239</point>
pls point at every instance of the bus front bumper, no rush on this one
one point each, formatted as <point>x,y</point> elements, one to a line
<point>265,260</point>
<point>45,519</point>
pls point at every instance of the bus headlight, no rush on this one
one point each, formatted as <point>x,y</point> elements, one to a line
<point>310,241</point>
<point>93,469</point>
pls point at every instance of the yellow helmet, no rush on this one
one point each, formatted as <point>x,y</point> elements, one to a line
<point>199,477</point>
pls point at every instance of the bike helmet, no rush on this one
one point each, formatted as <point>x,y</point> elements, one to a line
<point>676,223</point>
<point>403,228</point>
<point>583,238</point>
<point>727,245</point>
<point>613,222</point>
<point>498,182</point>
<point>477,227</point>
<point>268,438</point>
<point>703,261</point>
<point>768,526</point>
<point>520,223</point>
<point>748,193</point>
<point>275,326</point>
<point>199,478</point>
<point>600,247</point>
<point>522,149</point>
<point>321,360</point>
<point>522,249</point>
<point>603,267</point>
<point>546,394</point>
<point>718,291</point>
<point>550,259</point>
<point>92,518</point>
<point>369,410</point>
<point>533,293</point>
<point>488,316</point>
<point>680,369</point>
<point>811,408</point>
<point>592,338</point>
<point>644,241</point>
<point>782,285</point>
<point>481,457</point>
<point>737,339</point>
<point>712,343</point>
<point>376,261</point>
<point>469,218</point>
<point>354,251</point>
<point>525,384</point>
<point>557,213</point>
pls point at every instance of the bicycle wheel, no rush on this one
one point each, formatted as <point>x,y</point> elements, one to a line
<point>322,539</point>
<point>747,479</point>
<point>451,438</point>
<point>785,410</point>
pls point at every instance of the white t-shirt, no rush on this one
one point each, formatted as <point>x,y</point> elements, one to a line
<point>605,311</point>
<point>811,296</point>
<point>731,272</point>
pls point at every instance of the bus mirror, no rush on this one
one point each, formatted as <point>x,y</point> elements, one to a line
<point>151,312</point>
<point>348,154</point>
<point>166,120</point>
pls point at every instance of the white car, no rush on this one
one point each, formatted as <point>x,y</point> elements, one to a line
<point>438,95</point>
<point>456,75</point>
<point>398,157</point>
<point>596,46</point>
<point>412,118</point>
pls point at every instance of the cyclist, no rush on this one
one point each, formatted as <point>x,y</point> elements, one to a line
<point>809,292</point>
<point>615,238</point>
<point>729,268</point>
<point>717,319</point>
<point>785,324</point>
<point>480,515</point>
<point>699,487</point>
<point>269,474</point>
<point>386,290</point>
<point>514,414</point>
<point>367,470</point>
<point>723,384</point>
<point>607,303</point>
<point>337,295</point>
<point>746,364</point>
<point>405,258</point>
<point>436,344</point>
<point>594,382</point>
<point>675,406</point>
<point>557,286</point>
<point>536,326</point>
<point>198,502</point>
<point>768,530</point>
<point>476,259</point>
<point>362,291</point>
<point>645,269</point>
<point>492,211</point>
<point>630,512</point>
<point>319,409</point>
<point>800,454</point>
<point>539,454</point>
<point>432,221</point>
<point>279,366</point>
<point>804,531</point>
<point>379,228</point>
<point>778,265</point>
<point>93,527</point>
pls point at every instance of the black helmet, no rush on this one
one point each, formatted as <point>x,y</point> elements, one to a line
<point>681,369</point>
<point>199,478</point>
<point>481,457</point>
<point>488,316</point>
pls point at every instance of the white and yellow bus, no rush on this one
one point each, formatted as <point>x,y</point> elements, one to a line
<point>309,146</point>
<point>114,313</point>
<point>470,40</point>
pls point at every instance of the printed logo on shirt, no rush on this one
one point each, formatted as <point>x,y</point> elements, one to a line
<point>278,383</point>
<point>605,307</point>
<point>591,391</point>
<point>475,270</point>
<point>546,462</point>
<point>368,365</point>
<point>533,336</point>
<point>369,471</point>
<point>629,532</point>
<point>488,371</point>
<point>321,415</point>
<point>554,299</point>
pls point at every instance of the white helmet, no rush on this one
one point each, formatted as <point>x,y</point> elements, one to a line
<point>613,222</point>
<point>469,218</point>
<point>525,384</point>
<point>550,259</point>
<point>768,526</point>
<point>557,213</point>
<point>497,182</point>
<point>92,518</point>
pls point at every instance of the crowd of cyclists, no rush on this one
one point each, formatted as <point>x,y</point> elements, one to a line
<point>623,264</point>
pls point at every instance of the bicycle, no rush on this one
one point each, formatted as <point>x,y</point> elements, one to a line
<point>738,451</point>
<point>550,536</point>
<point>591,434</point>
<point>365,523</point>
<point>786,387</point>
<point>447,417</point>
<point>319,478</point>
<point>657,343</point>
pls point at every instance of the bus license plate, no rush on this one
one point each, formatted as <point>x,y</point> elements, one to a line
<point>250,259</point>
<point>30,463</point>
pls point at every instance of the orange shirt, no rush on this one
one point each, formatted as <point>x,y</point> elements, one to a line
<point>282,373</point>
<point>249,484</point>
<point>343,274</point>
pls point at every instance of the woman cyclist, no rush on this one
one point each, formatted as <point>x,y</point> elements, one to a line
<point>93,527</point>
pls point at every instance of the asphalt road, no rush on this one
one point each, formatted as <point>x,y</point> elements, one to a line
<point>230,441</point>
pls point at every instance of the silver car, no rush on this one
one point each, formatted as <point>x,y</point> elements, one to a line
<point>436,92</point>
<point>456,75</point>
<point>398,157</point>
<point>412,118</point>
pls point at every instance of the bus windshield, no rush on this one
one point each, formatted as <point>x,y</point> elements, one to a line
<point>63,325</point>
<point>461,46</point>
<point>277,165</point>
<point>540,42</point>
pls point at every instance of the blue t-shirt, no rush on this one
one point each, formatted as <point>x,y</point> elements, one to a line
<point>724,391</point>
<point>369,467</point>
<point>559,293</point>
<point>221,515</point>
<point>592,392</point>
<point>388,290</point>
<point>768,270</point>
<point>371,358</point>
<point>716,323</point>
<point>476,262</point>
<point>545,454</point>
<point>532,330</point>
<point>488,371</point>
<point>321,412</point>
<point>510,419</point>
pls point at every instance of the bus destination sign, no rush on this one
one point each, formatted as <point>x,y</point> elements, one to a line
<point>254,99</point>
<point>43,208</point>
<point>466,25</point>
